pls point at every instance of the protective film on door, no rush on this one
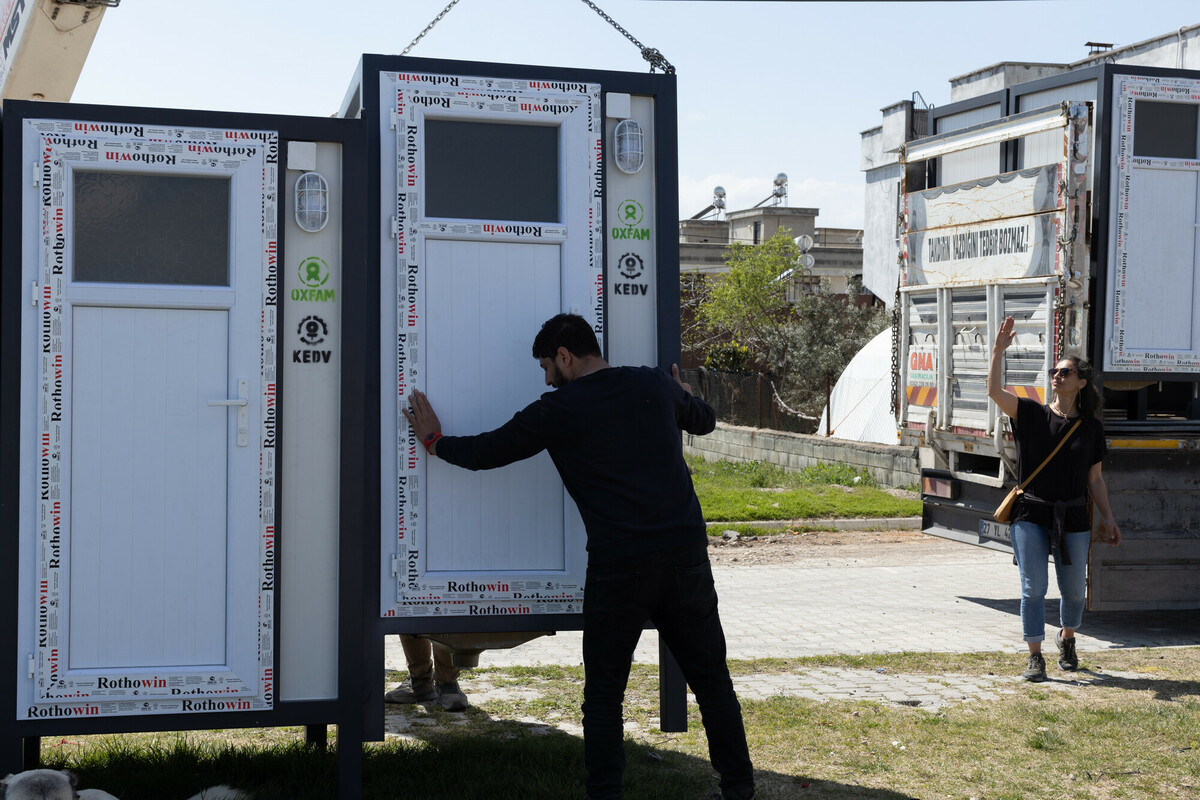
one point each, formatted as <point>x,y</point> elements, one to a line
<point>491,195</point>
<point>148,420</point>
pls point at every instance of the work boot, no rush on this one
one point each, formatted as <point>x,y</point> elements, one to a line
<point>412,691</point>
<point>1067,659</point>
<point>1036,671</point>
<point>450,697</point>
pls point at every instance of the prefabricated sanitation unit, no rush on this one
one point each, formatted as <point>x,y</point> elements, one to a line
<point>214,511</point>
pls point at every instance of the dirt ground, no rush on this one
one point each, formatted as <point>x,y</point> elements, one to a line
<point>840,546</point>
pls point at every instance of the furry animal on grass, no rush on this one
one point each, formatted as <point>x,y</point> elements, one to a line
<point>221,792</point>
<point>39,784</point>
<point>53,784</point>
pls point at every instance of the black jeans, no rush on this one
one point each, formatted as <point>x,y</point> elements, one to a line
<point>674,589</point>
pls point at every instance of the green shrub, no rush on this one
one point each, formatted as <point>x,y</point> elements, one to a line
<point>837,474</point>
<point>727,357</point>
<point>752,490</point>
<point>753,474</point>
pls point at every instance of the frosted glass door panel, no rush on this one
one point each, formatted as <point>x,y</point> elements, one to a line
<point>139,228</point>
<point>486,302</point>
<point>148,545</point>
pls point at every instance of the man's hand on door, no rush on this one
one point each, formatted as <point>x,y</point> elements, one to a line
<point>424,420</point>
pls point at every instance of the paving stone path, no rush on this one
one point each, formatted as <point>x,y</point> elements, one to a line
<point>934,597</point>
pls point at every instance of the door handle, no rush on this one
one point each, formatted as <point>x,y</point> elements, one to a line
<point>243,407</point>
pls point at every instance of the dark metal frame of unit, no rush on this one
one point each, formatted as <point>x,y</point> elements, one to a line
<point>19,739</point>
<point>361,101</point>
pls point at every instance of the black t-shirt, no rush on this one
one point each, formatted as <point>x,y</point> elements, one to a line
<point>614,437</point>
<point>1037,430</point>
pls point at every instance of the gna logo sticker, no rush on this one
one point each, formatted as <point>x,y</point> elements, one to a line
<point>629,219</point>
<point>312,330</point>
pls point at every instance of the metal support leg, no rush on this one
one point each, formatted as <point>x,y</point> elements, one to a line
<point>350,761</point>
<point>1136,404</point>
<point>31,752</point>
<point>12,754</point>
<point>672,692</point>
<point>316,736</point>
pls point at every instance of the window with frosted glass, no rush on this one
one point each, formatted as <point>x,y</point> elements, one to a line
<point>166,229</point>
<point>1164,130</point>
<point>483,170</point>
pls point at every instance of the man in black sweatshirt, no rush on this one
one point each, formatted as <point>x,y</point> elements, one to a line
<point>613,434</point>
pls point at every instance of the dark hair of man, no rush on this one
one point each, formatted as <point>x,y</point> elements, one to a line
<point>1088,399</point>
<point>565,330</point>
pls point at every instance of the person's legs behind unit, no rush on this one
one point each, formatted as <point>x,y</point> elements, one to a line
<point>431,676</point>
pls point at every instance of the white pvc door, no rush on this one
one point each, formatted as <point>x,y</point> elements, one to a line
<point>148,421</point>
<point>493,205</point>
<point>1154,248</point>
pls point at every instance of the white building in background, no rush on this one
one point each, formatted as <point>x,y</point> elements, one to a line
<point>979,96</point>
<point>837,252</point>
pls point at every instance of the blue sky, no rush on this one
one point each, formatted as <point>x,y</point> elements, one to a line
<point>764,87</point>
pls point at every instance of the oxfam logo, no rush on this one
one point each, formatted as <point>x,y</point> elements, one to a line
<point>314,273</point>
<point>629,221</point>
<point>631,213</point>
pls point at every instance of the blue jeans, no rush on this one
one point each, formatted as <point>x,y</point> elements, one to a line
<point>674,589</point>
<point>1031,544</point>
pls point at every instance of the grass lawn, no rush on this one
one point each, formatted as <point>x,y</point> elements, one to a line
<point>1132,735</point>
<point>732,491</point>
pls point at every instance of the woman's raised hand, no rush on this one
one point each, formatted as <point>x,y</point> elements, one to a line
<point>1005,335</point>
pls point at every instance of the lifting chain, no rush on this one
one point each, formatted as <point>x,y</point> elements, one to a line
<point>1060,319</point>
<point>901,264</point>
<point>651,54</point>
<point>1062,302</point>
<point>429,27</point>
<point>896,353</point>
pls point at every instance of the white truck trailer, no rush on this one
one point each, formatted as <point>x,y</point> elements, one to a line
<point>1074,207</point>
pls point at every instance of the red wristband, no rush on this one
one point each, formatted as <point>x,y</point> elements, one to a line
<point>429,440</point>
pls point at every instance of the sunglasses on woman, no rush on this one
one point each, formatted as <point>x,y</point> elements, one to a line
<point>1061,372</point>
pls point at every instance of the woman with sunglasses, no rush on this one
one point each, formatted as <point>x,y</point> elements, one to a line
<point>1052,515</point>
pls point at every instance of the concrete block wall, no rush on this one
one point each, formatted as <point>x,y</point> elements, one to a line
<point>890,465</point>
